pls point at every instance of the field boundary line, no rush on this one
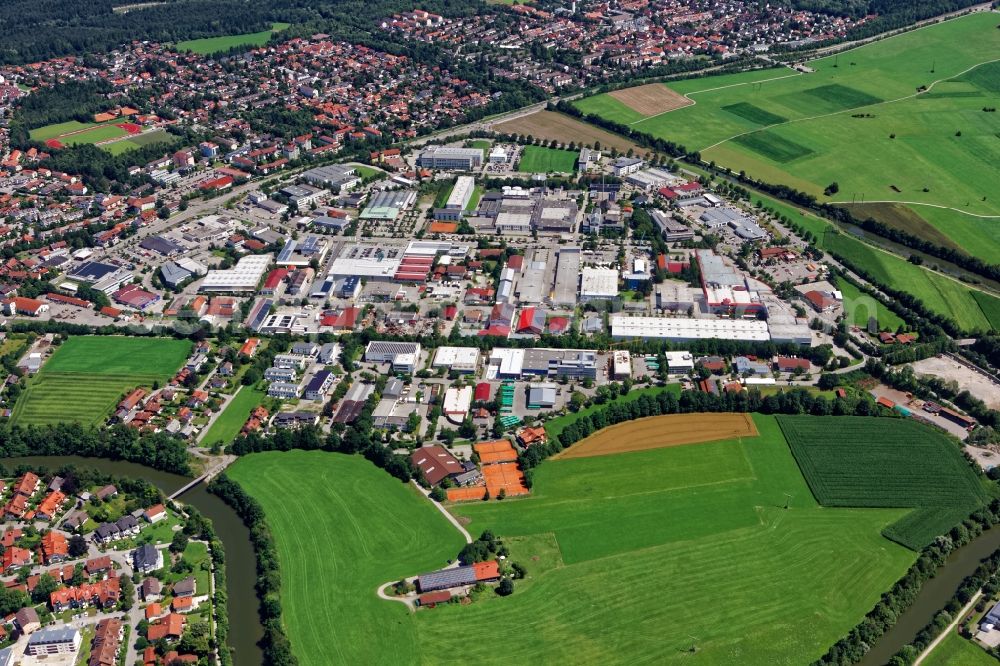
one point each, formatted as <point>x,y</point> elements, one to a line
<point>699,92</point>
<point>916,203</point>
<point>855,108</point>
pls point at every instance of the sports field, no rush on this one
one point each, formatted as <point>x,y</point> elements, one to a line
<point>861,462</point>
<point>88,374</point>
<point>228,424</point>
<point>859,120</point>
<point>342,528</point>
<point>536,159</point>
<point>212,45</point>
<point>74,133</point>
<point>656,432</point>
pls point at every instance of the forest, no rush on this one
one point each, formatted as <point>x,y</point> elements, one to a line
<point>32,30</point>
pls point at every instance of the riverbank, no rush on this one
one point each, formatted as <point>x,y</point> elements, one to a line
<point>241,572</point>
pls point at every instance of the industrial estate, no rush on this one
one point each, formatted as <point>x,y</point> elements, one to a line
<point>543,332</point>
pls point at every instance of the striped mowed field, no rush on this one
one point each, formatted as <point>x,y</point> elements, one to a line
<point>86,376</point>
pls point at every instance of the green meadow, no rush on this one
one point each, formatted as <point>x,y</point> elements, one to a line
<point>858,120</point>
<point>631,558</point>
<point>87,375</point>
<point>227,425</point>
<point>213,45</point>
<point>342,528</point>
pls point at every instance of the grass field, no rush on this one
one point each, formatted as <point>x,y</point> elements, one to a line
<point>858,314</point>
<point>857,120</point>
<point>536,159</point>
<point>654,545</point>
<point>957,651</point>
<point>212,45</point>
<point>941,294</point>
<point>861,462</point>
<point>657,432</point>
<point>137,141</point>
<point>345,528</point>
<point>225,428</point>
<point>87,374</point>
<point>628,557</point>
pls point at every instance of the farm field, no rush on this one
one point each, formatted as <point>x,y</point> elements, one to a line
<point>845,462</point>
<point>651,99</point>
<point>657,432</point>
<point>709,520</point>
<point>565,129</point>
<point>957,651</point>
<point>88,374</point>
<point>227,426</point>
<point>535,159</point>
<point>937,147</point>
<point>212,45</point>
<point>347,528</point>
<point>554,427</point>
<point>941,294</point>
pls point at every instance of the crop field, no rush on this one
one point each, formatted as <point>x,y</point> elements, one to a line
<point>709,521</point>
<point>905,218</point>
<point>227,426</point>
<point>861,462</point>
<point>657,432</point>
<point>551,125</point>
<point>88,374</point>
<point>859,120</point>
<point>347,528</point>
<point>651,99</point>
<point>536,159</point>
<point>212,45</point>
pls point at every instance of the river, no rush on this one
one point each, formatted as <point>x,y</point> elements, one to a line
<point>933,596</point>
<point>241,570</point>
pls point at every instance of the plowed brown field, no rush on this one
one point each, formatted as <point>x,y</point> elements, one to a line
<point>651,99</point>
<point>657,432</point>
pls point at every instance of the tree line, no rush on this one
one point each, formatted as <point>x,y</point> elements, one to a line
<point>275,644</point>
<point>852,648</point>
<point>791,401</point>
<point>118,442</point>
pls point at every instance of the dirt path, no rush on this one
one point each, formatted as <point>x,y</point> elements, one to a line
<point>950,628</point>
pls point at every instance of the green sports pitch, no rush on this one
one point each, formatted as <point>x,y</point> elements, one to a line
<point>213,45</point>
<point>858,119</point>
<point>88,374</point>
<point>632,557</point>
<point>536,159</point>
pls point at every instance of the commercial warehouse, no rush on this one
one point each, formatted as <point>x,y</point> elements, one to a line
<point>684,329</point>
<point>445,157</point>
<point>244,276</point>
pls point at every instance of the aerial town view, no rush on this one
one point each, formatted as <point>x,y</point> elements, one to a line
<point>499,332</point>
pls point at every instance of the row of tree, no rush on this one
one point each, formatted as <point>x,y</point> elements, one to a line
<point>275,644</point>
<point>118,442</point>
<point>791,401</point>
<point>852,648</point>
